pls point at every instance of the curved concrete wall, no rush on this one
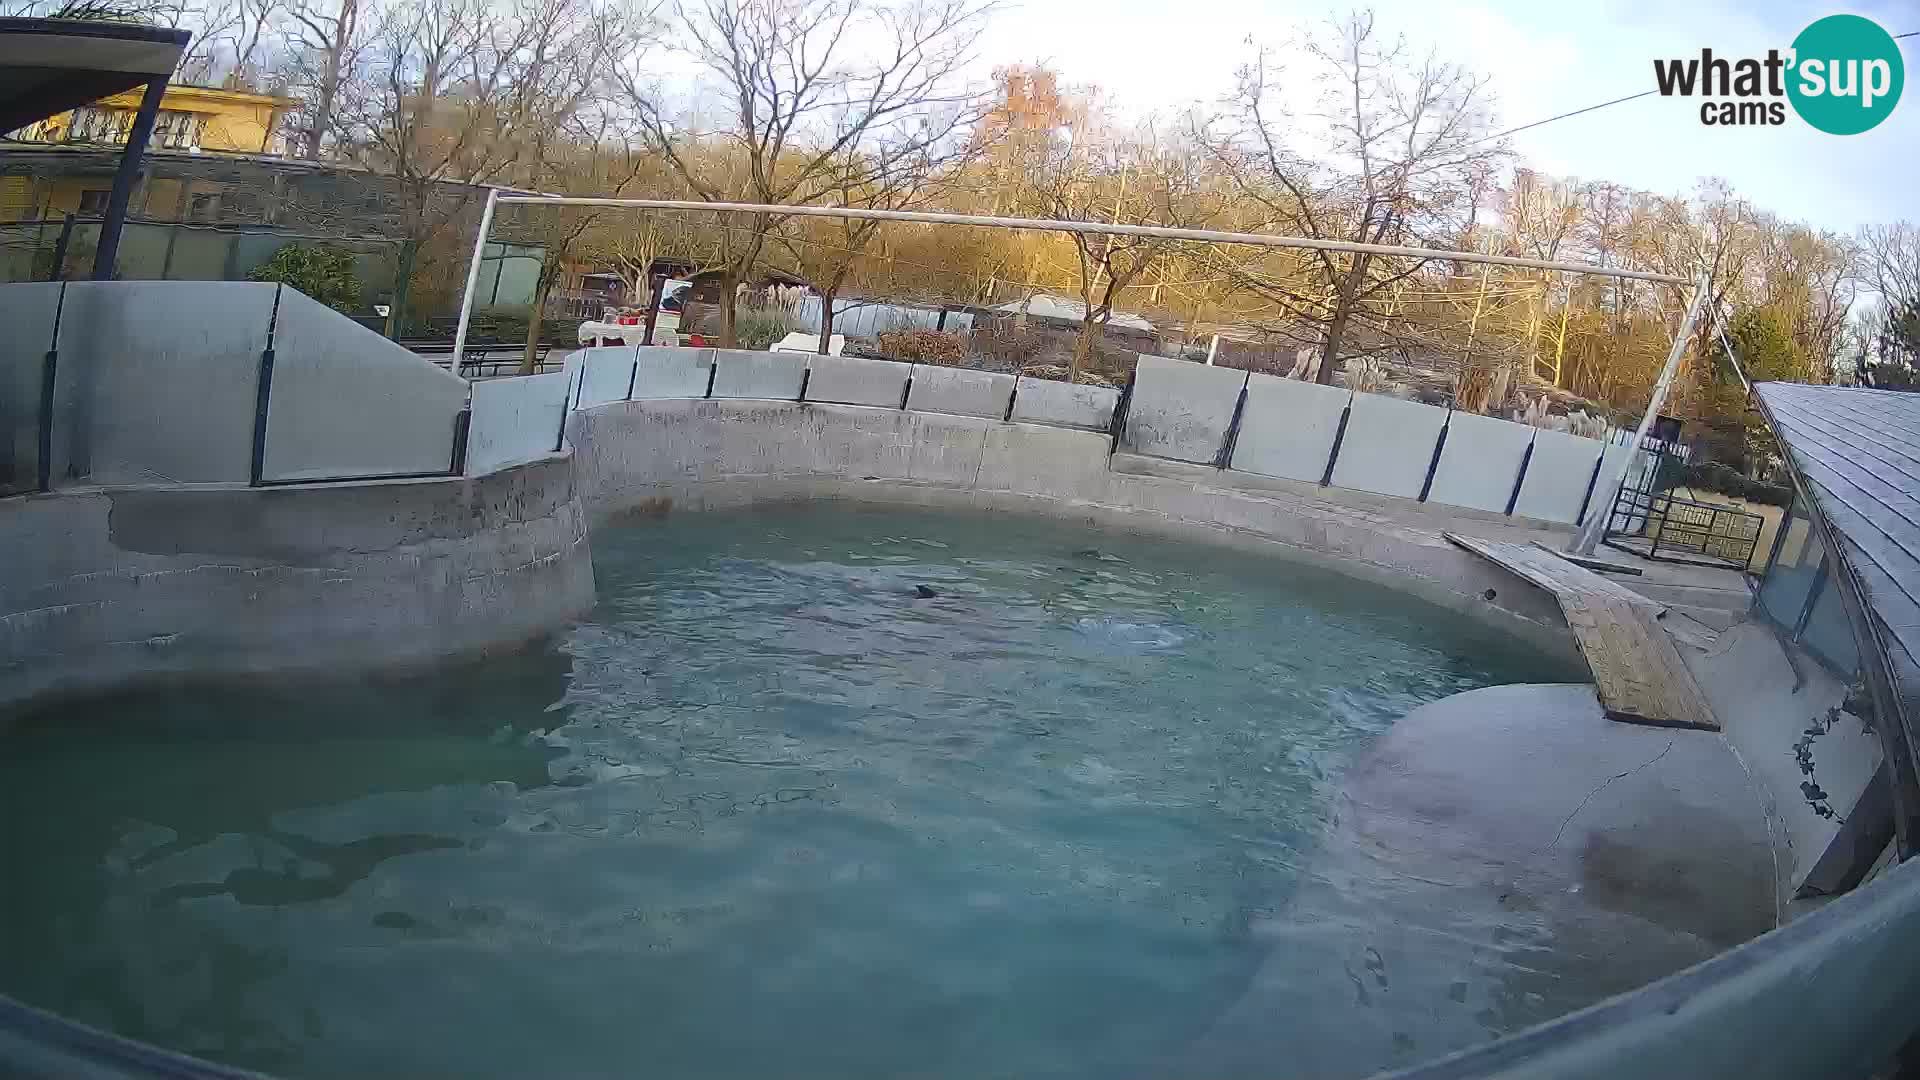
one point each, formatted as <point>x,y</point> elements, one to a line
<point>108,586</point>
<point>652,455</point>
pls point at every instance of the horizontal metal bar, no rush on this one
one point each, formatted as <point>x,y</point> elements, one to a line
<point>296,482</point>
<point>1097,228</point>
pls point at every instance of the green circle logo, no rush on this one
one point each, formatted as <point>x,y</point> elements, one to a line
<point>1846,75</point>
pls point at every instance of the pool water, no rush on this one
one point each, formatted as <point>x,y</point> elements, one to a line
<point>815,792</point>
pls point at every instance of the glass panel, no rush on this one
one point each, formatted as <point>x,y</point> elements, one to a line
<point>1828,634</point>
<point>1791,577</point>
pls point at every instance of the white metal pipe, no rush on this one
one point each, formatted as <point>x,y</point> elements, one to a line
<point>473,277</point>
<point>1600,509</point>
<point>1099,228</point>
<point>1213,349</point>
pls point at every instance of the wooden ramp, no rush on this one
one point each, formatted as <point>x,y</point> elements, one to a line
<point>1636,667</point>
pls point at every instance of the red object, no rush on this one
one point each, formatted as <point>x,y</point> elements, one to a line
<point>698,341</point>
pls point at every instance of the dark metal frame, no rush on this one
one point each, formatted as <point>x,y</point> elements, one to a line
<point>1673,522</point>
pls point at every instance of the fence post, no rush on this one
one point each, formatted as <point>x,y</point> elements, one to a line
<point>462,421</point>
<point>58,272</point>
<point>1118,425</point>
<point>1339,436</point>
<point>1586,501</point>
<point>49,373</point>
<point>262,397</point>
<point>1225,457</point>
<point>1520,479</point>
<point>1433,464</point>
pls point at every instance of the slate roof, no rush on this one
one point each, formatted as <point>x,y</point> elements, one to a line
<point>1859,450</point>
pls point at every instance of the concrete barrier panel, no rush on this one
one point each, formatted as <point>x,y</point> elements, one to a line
<point>768,375</point>
<point>673,373</point>
<point>1557,476</point>
<point>515,420</point>
<point>1288,427</point>
<point>1045,401</point>
<point>1180,409</point>
<point>1388,445</point>
<point>26,310</point>
<point>348,402</point>
<point>157,380</point>
<point>604,374</point>
<point>959,391</point>
<point>855,380</point>
<point>1480,462</point>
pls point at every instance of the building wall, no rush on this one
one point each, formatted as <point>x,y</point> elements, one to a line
<point>226,120</point>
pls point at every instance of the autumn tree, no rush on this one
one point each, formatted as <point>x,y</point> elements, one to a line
<point>811,88</point>
<point>1387,162</point>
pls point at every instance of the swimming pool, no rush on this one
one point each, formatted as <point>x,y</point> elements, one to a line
<point>816,791</point>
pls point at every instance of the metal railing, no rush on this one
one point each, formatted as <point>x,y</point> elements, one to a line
<point>1666,528</point>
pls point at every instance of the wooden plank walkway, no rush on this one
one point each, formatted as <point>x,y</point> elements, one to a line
<point>1637,669</point>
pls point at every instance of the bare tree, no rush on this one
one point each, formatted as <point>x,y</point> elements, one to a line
<point>1399,141</point>
<point>324,41</point>
<point>811,87</point>
<point>1142,178</point>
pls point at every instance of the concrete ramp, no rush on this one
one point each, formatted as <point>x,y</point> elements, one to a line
<point>1637,669</point>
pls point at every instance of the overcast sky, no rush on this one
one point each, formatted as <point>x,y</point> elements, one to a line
<point>1545,57</point>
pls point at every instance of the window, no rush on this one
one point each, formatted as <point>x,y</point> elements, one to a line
<point>177,130</point>
<point>203,207</point>
<point>93,202</point>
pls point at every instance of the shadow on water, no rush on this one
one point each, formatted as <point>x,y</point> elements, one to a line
<point>189,791</point>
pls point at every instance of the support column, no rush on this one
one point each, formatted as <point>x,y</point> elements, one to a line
<point>109,250</point>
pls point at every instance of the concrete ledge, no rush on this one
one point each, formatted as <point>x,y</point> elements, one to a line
<point>705,454</point>
<point>854,380</point>
<point>960,391</point>
<point>109,586</point>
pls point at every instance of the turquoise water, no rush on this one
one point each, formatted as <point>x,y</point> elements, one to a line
<point>772,811</point>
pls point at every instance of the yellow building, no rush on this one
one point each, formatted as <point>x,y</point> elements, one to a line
<point>192,119</point>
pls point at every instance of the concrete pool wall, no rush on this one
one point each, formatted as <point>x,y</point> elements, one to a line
<point>108,586</point>
<point>701,454</point>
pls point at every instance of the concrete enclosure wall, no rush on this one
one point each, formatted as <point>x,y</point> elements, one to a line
<point>515,420</point>
<point>853,380</point>
<point>110,586</point>
<point>960,391</point>
<point>1288,427</point>
<point>1181,410</point>
<point>649,454</point>
<point>672,373</point>
<point>1557,476</point>
<point>1389,445</point>
<point>1480,462</point>
<point>1043,401</point>
<point>769,375</point>
<point>347,402</point>
<point>600,375</point>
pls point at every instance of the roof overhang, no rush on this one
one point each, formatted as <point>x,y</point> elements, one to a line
<point>48,66</point>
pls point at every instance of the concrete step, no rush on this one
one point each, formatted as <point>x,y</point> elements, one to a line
<point>1692,595</point>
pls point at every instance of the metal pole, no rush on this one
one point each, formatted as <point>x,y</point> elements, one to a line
<point>106,254</point>
<point>1213,349</point>
<point>473,278</point>
<point>59,271</point>
<point>1099,228</point>
<point>1588,539</point>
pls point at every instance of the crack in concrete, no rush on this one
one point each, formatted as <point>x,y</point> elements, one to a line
<point>1568,820</point>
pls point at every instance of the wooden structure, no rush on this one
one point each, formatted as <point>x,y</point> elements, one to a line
<point>1637,669</point>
